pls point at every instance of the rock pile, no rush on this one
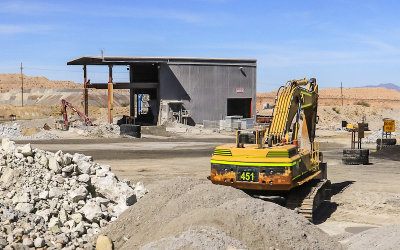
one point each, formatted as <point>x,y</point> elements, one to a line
<point>14,132</point>
<point>376,135</point>
<point>105,130</point>
<point>57,200</point>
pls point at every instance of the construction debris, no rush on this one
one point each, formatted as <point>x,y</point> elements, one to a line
<point>14,132</point>
<point>57,199</point>
<point>376,135</point>
<point>105,130</point>
<point>175,127</point>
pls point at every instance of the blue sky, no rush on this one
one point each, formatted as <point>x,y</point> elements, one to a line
<point>357,42</point>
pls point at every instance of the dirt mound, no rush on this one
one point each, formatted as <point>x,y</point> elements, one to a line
<point>386,237</point>
<point>378,97</point>
<point>13,81</point>
<point>173,207</point>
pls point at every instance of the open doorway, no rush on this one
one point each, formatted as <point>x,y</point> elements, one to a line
<point>239,106</point>
<point>145,106</point>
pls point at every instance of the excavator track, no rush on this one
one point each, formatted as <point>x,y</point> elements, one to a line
<point>306,199</point>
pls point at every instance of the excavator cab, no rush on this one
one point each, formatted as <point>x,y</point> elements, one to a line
<point>244,137</point>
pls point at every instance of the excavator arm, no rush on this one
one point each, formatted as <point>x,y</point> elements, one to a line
<point>292,98</point>
<point>66,104</point>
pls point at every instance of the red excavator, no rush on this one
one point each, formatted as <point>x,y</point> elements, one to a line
<point>64,125</point>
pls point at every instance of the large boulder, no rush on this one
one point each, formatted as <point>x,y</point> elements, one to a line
<point>26,150</point>
<point>8,177</point>
<point>54,165</point>
<point>24,207</point>
<point>7,145</point>
<point>92,211</point>
<point>113,189</point>
<point>78,194</point>
<point>104,243</point>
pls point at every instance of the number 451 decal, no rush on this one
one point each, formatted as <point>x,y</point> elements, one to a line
<point>246,176</point>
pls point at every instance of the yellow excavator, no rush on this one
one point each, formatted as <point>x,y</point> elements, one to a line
<point>277,162</point>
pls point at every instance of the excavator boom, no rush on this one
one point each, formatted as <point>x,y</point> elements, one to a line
<point>66,104</point>
<point>291,99</point>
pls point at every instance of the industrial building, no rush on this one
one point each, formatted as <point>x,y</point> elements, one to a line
<point>191,90</point>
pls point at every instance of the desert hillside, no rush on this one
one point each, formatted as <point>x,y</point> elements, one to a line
<point>13,81</point>
<point>376,97</point>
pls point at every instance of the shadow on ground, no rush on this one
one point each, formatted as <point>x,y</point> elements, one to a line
<point>328,207</point>
<point>391,152</point>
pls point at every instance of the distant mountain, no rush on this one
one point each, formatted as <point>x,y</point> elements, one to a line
<point>384,85</point>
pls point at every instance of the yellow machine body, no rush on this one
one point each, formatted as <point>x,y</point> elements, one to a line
<point>272,160</point>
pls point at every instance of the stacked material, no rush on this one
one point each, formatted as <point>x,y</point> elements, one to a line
<point>57,200</point>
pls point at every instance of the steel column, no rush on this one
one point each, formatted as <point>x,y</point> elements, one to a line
<point>85,93</point>
<point>110,95</point>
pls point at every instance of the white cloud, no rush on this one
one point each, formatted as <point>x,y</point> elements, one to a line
<point>12,29</point>
<point>32,8</point>
<point>151,13</point>
<point>17,7</point>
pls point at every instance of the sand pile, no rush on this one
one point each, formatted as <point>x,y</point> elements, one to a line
<point>197,238</point>
<point>386,237</point>
<point>182,213</point>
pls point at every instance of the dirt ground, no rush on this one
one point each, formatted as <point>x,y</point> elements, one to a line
<point>364,196</point>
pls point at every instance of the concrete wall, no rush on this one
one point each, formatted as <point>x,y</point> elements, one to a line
<point>206,88</point>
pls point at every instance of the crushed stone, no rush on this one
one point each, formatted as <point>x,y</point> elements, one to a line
<point>57,199</point>
<point>14,132</point>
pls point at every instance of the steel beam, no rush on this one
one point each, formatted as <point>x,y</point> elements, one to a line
<point>125,85</point>
<point>85,93</point>
<point>110,95</point>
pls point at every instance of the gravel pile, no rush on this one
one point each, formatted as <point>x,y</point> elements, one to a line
<point>186,213</point>
<point>376,135</point>
<point>197,238</point>
<point>384,238</point>
<point>14,132</point>
<point>105,130</point>
<point>57,200</point>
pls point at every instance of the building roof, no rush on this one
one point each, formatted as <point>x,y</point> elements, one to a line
<point>126,60</point>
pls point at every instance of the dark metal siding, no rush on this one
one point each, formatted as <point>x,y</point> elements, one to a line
<point>205,88</point>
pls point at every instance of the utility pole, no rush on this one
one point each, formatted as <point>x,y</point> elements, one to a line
<point>341,91</point>
<point>22,86</point>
